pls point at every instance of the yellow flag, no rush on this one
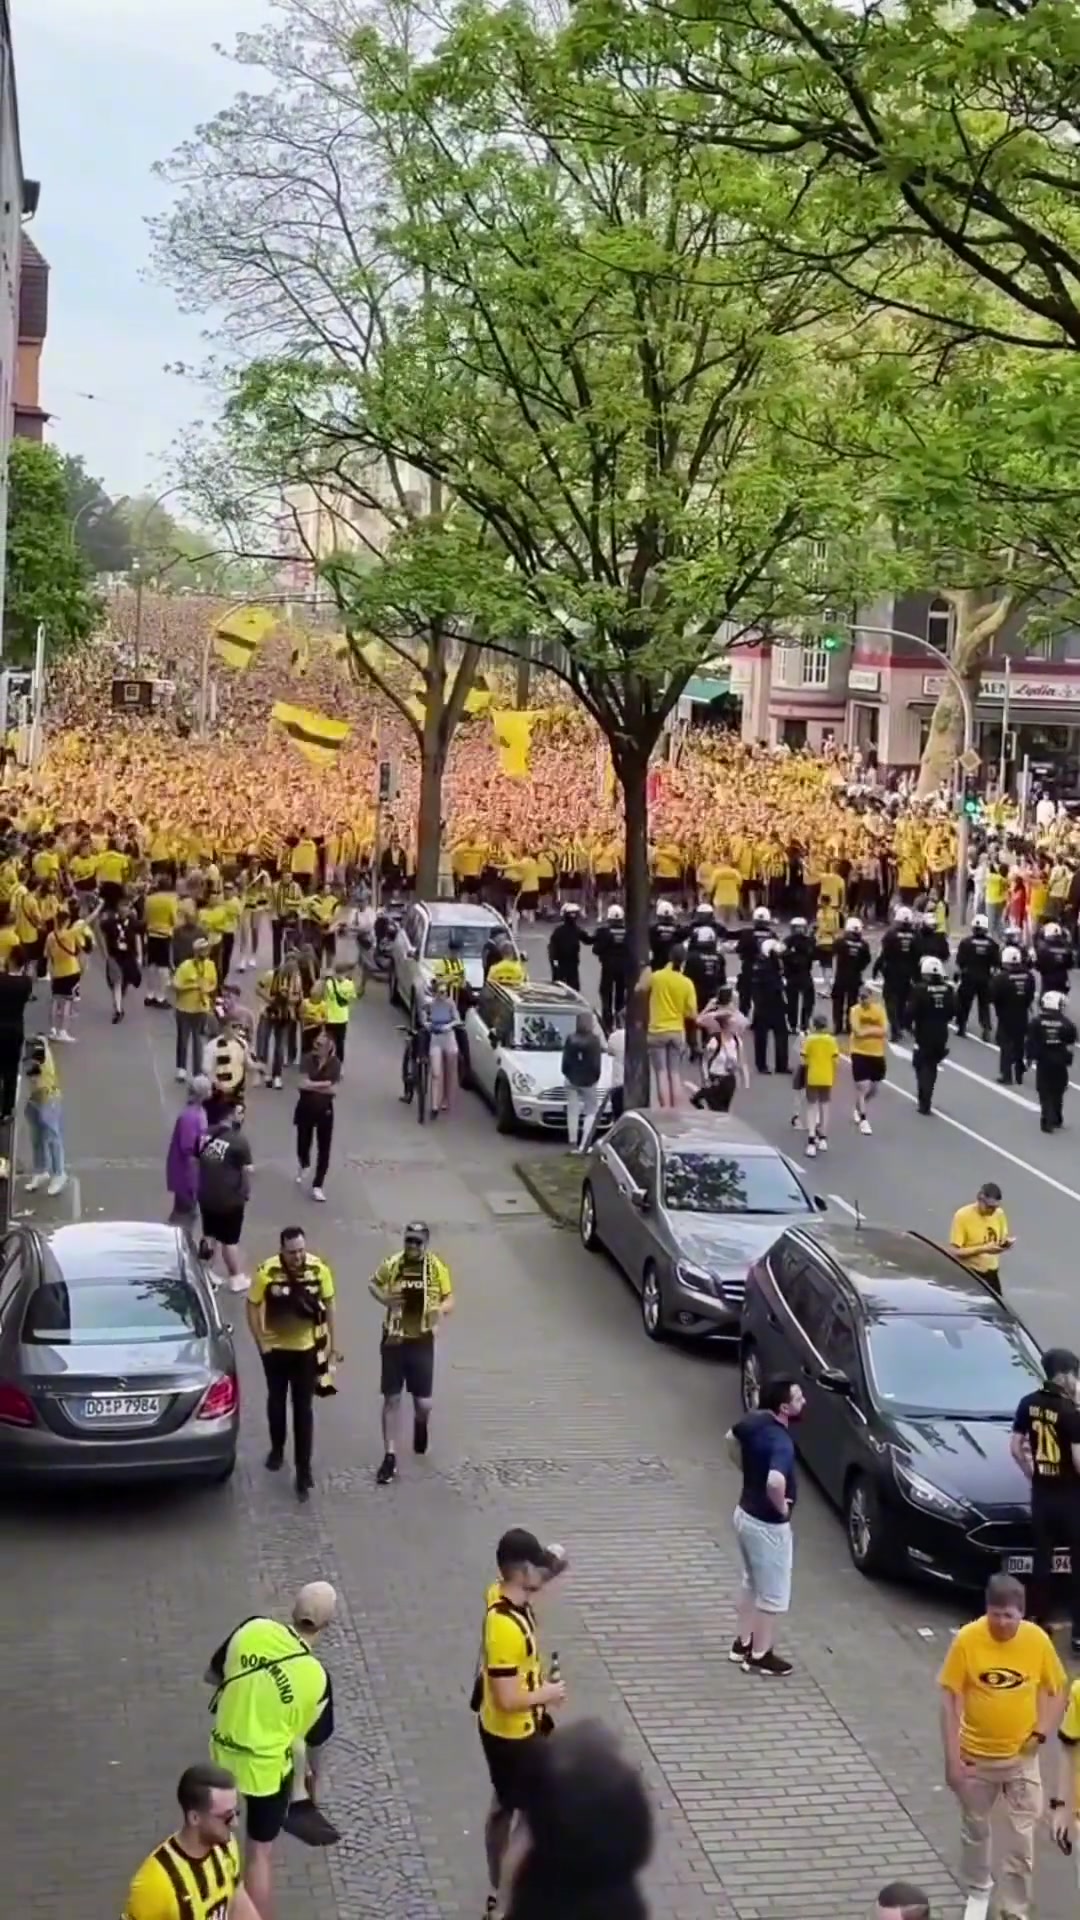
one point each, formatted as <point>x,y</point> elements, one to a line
<point>416,709</point>
<point>512,732</point>
<point>318,738</point>
<point>300,654</point>
<point>477,700</point>
<point>239,635</point>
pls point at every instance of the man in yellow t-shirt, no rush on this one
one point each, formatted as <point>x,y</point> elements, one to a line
<point>979,1234</point>
<point>672,1007</point>
<point>869,1026</point>
<point>512,1697</point>
<point>195,1873</point>
<point>161,911</point>
<point>819,1055</point>
<point>194,984</point>
<point>1002,1696</point>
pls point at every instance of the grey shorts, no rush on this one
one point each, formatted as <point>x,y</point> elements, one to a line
<point>666,1049</point>
<point>766,1553</point>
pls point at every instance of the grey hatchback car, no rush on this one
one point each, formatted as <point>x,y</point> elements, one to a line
<point>114,1361</point>
<point>686,1202</point>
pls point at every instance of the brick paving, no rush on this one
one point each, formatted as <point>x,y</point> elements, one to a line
<point>773,1801</point>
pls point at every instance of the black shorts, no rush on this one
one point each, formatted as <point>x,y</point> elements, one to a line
<point>63,986</point>
<point>867,1068</point>
<point>470,885</point>
<point>512,1768</point>
<point>528,902</point>
<point>665,885</point>
<point>111,891</point>
<point>223,1224</point>
<point>266,1811</point>
<point>606,882</point>
<point>408,1366</point>
<point>158,950</point>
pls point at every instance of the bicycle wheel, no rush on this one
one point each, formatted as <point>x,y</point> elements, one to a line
<point>423,1088</point>
<point>408,1074</point>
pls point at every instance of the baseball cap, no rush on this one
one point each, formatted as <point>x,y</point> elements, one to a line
<point>520,1548</point>
<point>315,1604</point>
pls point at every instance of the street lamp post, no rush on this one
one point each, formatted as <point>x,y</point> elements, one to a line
<point>967,707</point>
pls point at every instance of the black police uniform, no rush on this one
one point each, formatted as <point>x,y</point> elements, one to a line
<point>931,943</point>
<point>797,961</point>
<point>706,967</point>
<point>1053,959</point>
<point>851,957</point>
<point>1051,1038</point>
<point>897,964</point>
<point>977,958</point>
<point>612,949</point>
<point>1050,1423</point>
<point>748,945</point>
<point>1012,991</point>
<point>933,1003</point>
<point>663,935</point>
<point>564,952</point>
<point>769,1012</point>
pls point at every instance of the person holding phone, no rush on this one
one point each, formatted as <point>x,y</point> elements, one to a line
<point>979,1235</point>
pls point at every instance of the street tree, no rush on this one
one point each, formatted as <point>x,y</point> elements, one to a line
<point>275,226</point>
<point>48,580</point>
<point>98,523</point>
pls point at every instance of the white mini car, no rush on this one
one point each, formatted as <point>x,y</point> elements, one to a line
<point>511,1052</point>
<point>424,936</point>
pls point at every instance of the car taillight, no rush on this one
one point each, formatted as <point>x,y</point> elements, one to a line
<point>16,1410</point>
<point>221,1398</point>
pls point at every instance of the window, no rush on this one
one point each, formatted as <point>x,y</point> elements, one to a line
<point>488,1002</point>
<point>730,1183</point>
<point>839,1347</point>
<point>959,1364</point>
<point>940,625</point>
<point>88,1313</point>
<point>473,940</point>
<point>637,1152</point>
<point>414,928</point>
<point>805,1291</point>
<point>544,1031</point>
<point>815,667</point>
<point>11,1270</point>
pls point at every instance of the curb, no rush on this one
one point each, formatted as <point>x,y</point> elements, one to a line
<point>532,1180</point>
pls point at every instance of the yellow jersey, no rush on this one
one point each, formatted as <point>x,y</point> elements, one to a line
<point>820,1053</point>
<point>672,1001</point>
<point>173,1884</point>
<point>999,1682</point>
<point>507,973</point>
<point>970,1228</point>
<point>63,950</point>
<point>195,983</point>
<point>869,1030</point>
<point>510,1651</point>
<point>161,911</point>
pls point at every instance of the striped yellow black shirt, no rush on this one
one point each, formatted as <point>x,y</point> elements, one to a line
<point>172,1885</point>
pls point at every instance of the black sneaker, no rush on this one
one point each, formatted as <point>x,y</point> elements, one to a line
<point>387,1470</point>
<point>739,1650</point>
<point>420,1433</point>
<point>304,1484</point>
<point>273,1461</point>
<point>771,1664</point>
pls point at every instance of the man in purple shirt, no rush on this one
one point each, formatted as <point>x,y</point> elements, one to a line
<point>182,1163</point>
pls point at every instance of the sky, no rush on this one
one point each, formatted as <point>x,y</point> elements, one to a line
<point>106,88</point>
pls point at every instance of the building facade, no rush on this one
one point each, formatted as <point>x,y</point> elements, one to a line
<point>18,200</point>
<point>30,418</point>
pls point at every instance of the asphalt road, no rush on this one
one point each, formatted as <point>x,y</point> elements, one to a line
<point>552,1411</point>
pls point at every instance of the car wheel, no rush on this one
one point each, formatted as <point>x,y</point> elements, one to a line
<point>865,1526</point>
<point>505,1117</point>
<point>750,1377</point>
<point>652,1304</point>
<point>590,1239</point>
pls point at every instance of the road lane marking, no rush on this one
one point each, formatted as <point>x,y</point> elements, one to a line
<point>993,1146</point>
<point>993,1046</point>
<point>1007,1093</point>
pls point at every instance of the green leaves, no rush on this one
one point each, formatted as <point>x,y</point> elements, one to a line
<point>47,575</point>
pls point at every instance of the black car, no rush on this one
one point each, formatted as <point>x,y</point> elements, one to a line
<point>912,1369</point>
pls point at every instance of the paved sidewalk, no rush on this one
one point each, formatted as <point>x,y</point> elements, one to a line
<point>774,1802</point>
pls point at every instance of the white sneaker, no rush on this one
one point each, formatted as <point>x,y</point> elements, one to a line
<point>54,1033</point>
<point>68,1039</point>
<point>977,1907</point>
<point>864,1126</point>
<point>180,1074</point>
<point>239,1282</point>
<point>317,1193</point>
<point>811,1149</point>
<point>301,1176</point>
<point>35,1181</point>
<point>56,1184</point>
<point>276,1081</point>
<point>823,1145</point>
<point>796,1122</point>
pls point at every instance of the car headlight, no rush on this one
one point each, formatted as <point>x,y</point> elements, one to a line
<point>695,1278</point>
<point>930,1499</point>
<point>522,1082</point>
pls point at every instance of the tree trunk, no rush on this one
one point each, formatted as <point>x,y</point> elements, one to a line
<point>523,679</point>
<point>631,765</point>
<point>429,816</point>
<point>977,624</point>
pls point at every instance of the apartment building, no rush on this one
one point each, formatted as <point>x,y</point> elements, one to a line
<point>18,200</point>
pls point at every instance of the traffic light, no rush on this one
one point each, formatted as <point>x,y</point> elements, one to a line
<point>833,642</point>
<point>969,799</point>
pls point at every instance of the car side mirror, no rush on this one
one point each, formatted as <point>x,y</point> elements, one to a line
<point>821,1205</point>
<point>493,1036</point>
<point>835,1380</point>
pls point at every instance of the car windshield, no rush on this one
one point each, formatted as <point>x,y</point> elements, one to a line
<point>94,1313</point>
<point>953,1363</point>
<point>545,1032</point>
<point>471,941</point>
<point>731,1183</point>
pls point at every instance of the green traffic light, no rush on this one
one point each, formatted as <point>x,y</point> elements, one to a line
<point>832,642</point>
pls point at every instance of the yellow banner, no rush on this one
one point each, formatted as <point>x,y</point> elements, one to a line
<point>238,637</point>
<point>317,737</point>
<point>513,731</point>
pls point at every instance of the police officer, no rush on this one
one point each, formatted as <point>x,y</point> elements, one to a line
<point>930,940</point>
<point>705,965</point>
<point>1046,1446</point>
<point>612,951</point>
<point>798,964</point>
<point>1053,958</point>
<point>768,1007</point>
<point>850,961</point>
<point>748,945</point>
<point>977,958</point>
<point>663,934</point>
<point>1012,991</point>
<point>1051,1038</point>
<point>896,965</point>
<point>564,947</point>
<point>932,1005</point>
